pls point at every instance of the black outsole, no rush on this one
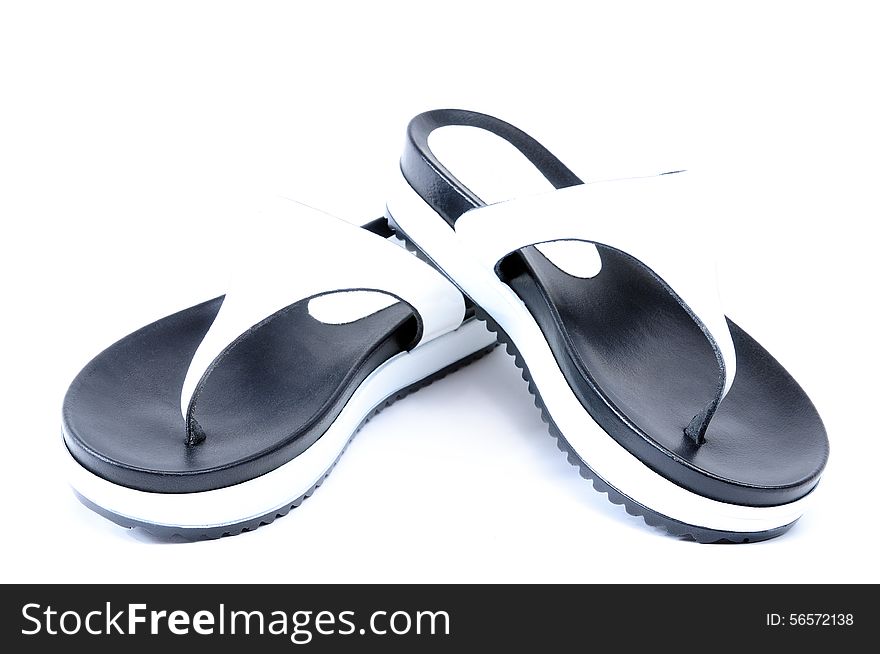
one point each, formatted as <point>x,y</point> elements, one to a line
<point>652,518</point>
<point>164,532</point>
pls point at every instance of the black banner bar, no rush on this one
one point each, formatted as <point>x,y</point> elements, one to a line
<point>434,618</point>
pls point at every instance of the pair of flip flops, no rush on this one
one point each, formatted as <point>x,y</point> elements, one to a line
<point>222,417</point>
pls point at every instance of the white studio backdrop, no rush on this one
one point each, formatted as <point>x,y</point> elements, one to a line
<point>133,136</point>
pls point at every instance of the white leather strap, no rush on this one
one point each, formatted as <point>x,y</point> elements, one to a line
<point>660,221</point>
<point>297,253</point>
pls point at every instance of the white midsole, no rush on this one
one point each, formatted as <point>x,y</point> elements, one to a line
<point>275,490</point>
<point>609,460</point>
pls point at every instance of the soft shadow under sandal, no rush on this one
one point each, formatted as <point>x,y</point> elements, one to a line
<point>613,316</point>
<point>224,416</point>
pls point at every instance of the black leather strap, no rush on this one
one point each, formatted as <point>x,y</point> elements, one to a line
<point>435,183</point>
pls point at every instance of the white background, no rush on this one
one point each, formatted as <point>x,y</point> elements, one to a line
<point>128,131</point>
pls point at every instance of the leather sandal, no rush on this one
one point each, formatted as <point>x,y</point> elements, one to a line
<point>605,295</point>
<point>221,417</point>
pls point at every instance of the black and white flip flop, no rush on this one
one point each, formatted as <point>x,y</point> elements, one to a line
<point>224,416</point>
<point>669,407</point>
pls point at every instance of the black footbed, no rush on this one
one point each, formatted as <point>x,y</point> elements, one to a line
<point>637,361</point>
<point>273,395</point>
<point>170,533</point>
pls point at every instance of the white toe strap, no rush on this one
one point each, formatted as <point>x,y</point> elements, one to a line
<point>658,220</point>
<point>298,253</point>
